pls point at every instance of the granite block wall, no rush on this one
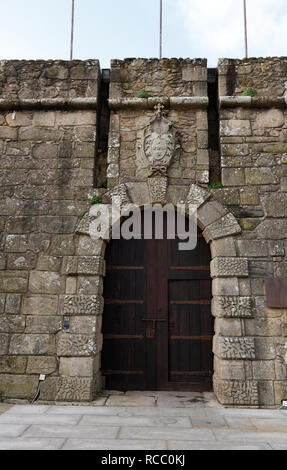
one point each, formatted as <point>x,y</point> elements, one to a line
<point>48,154</point>
<point>254,168</point>
<point>52,272</point>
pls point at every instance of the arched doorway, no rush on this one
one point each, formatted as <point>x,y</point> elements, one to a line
<point>157,322</point>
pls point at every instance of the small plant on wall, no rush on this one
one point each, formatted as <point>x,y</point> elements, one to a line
<point>96,200</point>
<point>215,185</point>
<point>142,94</point>
<point>249,92</point>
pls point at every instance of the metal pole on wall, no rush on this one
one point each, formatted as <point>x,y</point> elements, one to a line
<point>245,28</point>
<point>72,30</point>
<point>160,29</point>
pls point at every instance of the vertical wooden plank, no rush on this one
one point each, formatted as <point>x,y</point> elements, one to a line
<point>190,339</point>
<point>150,313</point>
<point>162,314</point>
<point>123,355</point>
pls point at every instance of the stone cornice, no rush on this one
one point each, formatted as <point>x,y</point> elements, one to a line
<point>181,102</point>
<point>252,101</point>
<point>48,103</point>
<point>189,102</point>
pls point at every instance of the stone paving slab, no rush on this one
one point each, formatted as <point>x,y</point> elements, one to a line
<point>39,419</point>
<point>164,420</point>
<point>80,410</point>
<point>27,409</point>
<point>279,446</point>
<point>103,432</point>
<point>32,443</point>
<point>158,394</point>
<point>214,422</point>
<point>137,400</point>
<point>114,444</point>
<point>207,397</point>
<point>240,423</point>
<point>245,412</point>
<point>134,421</point>
<point>185,400</point>
<point>127,411</point>
<point>164,433</point>
<point>12,430</point>
<point>211,445</point>
<point>165,402</point>
<point>180,402</point>
<point>270,425</point>
<point>246,436</point>
<point>99,401</point>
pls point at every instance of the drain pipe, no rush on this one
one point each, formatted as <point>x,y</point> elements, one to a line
<point>41,379</point>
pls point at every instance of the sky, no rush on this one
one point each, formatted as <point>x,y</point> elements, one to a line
<point>117,29</point>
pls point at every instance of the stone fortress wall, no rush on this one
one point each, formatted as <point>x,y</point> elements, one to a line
<point>51,156</point>
<point>253,167</point>
<point>48,158</point>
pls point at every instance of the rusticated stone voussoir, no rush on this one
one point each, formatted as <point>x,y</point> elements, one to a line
<point>118,196</point>
<point>232,306</point>
<point>236,392</point>
<point>78,344</point>
<point>84,224</point>
<point>197,195</point>
<point>75,388</point>
<point>85,265</point>
<point>234,347</point>
<point>229,267</point>
<point>69,389</point>
<point>225,226</point>
<point>81,304</point>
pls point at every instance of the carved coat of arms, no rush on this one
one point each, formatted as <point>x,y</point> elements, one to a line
<point>156,144</point>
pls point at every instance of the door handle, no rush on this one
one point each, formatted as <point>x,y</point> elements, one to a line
<point>150,331</point>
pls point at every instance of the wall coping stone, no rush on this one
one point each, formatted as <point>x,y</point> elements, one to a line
<point>48,103</point>
<point>149,103</point>
<point>252,101</point>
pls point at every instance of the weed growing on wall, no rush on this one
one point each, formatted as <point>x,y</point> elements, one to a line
<point>249,92</point>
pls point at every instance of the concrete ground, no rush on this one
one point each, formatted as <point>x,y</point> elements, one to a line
<point>142,421</point>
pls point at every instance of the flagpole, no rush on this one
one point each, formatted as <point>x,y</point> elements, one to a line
<point>245,29</point>
<point>160,29</point>
<point>72,30</point>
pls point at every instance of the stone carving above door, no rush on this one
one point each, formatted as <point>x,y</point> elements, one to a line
<point>156,144</point>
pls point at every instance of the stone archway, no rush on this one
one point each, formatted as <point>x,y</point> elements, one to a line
<point>231,348</point>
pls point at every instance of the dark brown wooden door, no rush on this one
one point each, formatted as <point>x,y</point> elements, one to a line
<point>157,322</point>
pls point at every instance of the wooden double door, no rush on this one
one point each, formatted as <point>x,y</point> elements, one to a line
<point>157,322</point>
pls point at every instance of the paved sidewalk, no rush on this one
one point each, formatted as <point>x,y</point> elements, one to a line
<point>143,421</point>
